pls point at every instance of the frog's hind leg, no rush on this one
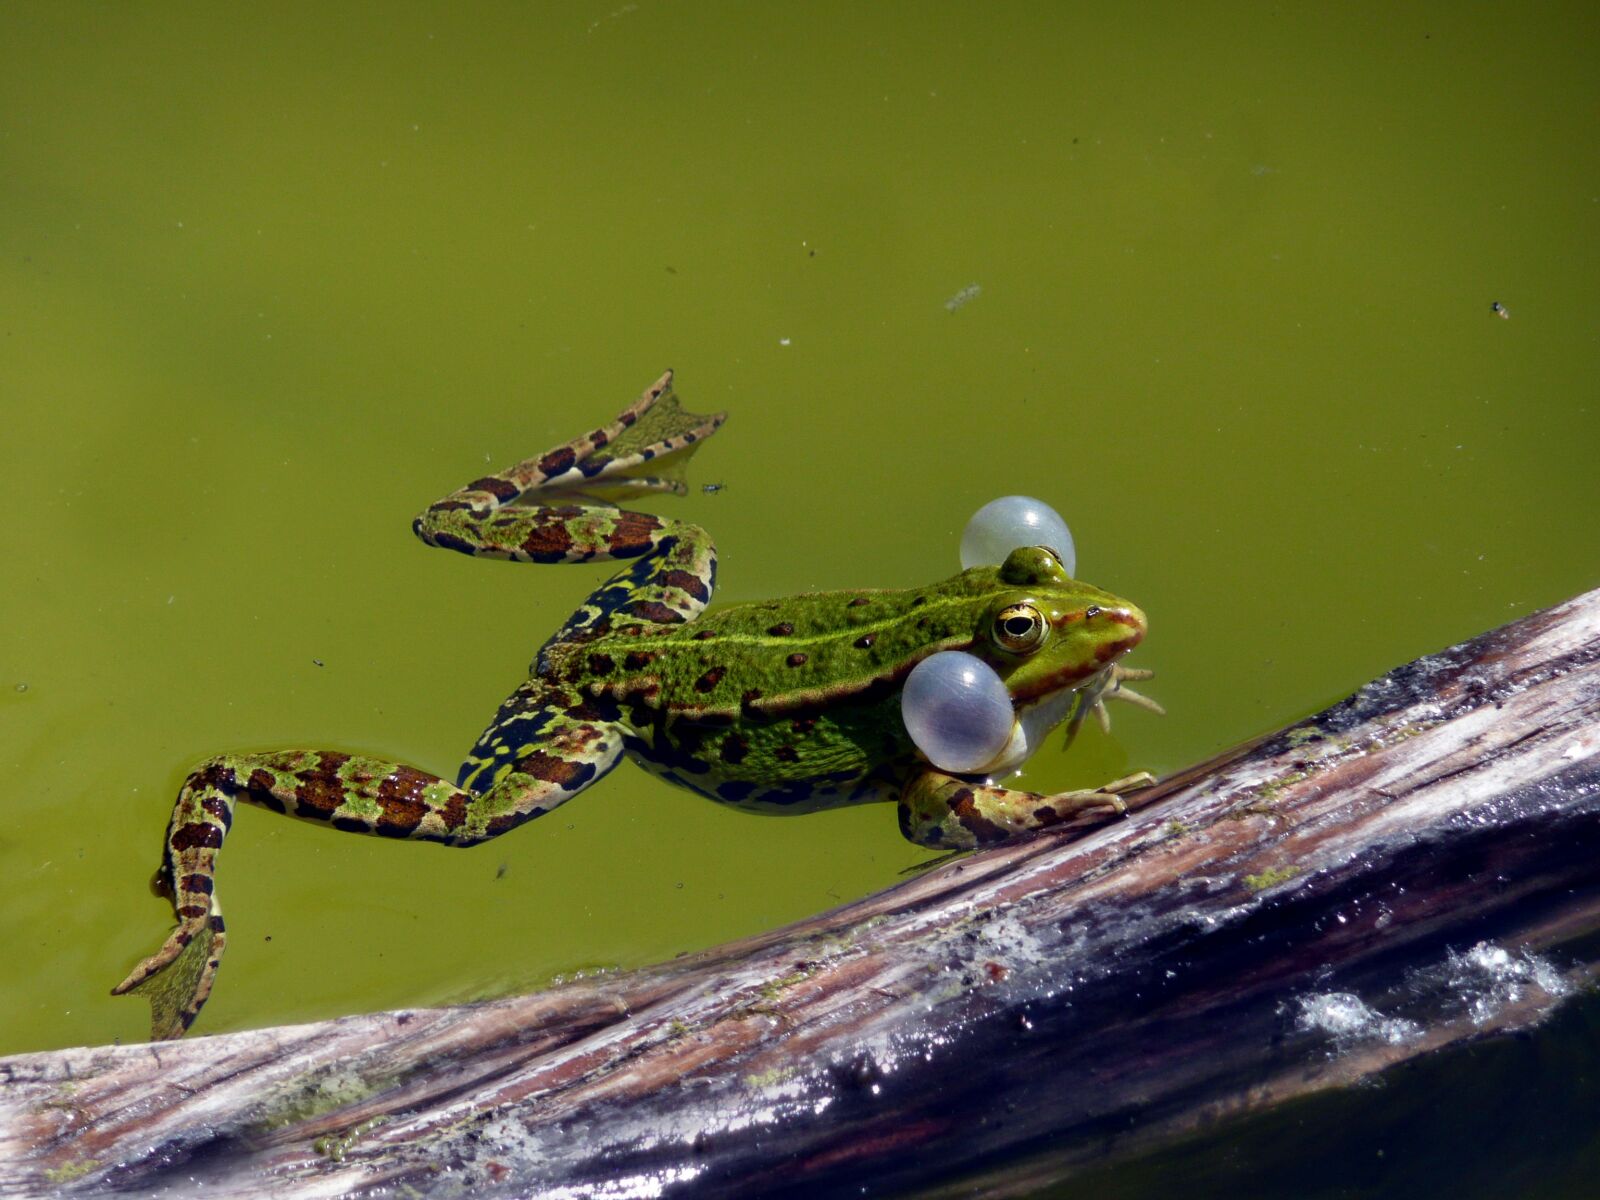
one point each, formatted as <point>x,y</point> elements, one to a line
<point>526,513</point>
<point>948,812</point>
<point>654,429</point>
<point>537,766</point>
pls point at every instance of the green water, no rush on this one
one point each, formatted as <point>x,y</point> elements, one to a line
<point>271,281</point>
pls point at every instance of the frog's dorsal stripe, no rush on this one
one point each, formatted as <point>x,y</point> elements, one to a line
<point>683,670</point>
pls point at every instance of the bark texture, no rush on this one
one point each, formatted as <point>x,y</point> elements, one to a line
<point>1417,865</point>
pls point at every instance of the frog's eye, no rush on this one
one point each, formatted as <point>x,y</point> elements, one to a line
<point>1019,628</point>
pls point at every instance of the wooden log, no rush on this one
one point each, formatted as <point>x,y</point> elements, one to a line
<point>1410,868</point>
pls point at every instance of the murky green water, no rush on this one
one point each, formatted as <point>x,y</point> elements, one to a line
<point>271,281</point>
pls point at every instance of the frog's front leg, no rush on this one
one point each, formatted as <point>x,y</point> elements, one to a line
<point>560,756</point>
<point>949,812</point>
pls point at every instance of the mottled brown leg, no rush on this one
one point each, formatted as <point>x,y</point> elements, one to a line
<point>351,793</point>
<point>951,813</point>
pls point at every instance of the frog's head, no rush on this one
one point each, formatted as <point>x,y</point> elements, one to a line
<point>1045,632</point>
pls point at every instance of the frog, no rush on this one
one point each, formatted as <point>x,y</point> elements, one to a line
<point>780,706</point>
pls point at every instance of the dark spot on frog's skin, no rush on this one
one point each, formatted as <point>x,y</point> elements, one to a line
<point>734,748</point>
<point>705,634</point>
<point>220,809</point>
<point>637,660</point>
<point>400,796</point>
<point>558,461</point>
<point>399,817</point>
<point>749,697</point>
<point>963,808</point>
<point>687,740</point>
<point>454,813</point>
<point>803,725</point>
<point>196,834</point>
<point>320,790</point>
<point>710,679</point>
<point>203,884</point>
<point>865,641</point>
<point>505,821</point>
<point>688,583</point>
<point>859,601</point>
<point>633,534</point>
<point>189,912</point>
<point>654,610</point>
<point>599,710</point>
<point>794,793</point>
<point>786,753</point>
<point>926,837</point>
<point>797,659</point>
<point>216,776</point>
<point>590,467</point>
<point>547,542</point>
<point>601,664</point>
<point>781,629</point>
<point>919,601</point>
<point>735,790</point>
<point>551,768</point>
<point>598,439</point>
<point>449,541</point>
<point>350,825</point>
<point>501,489</point>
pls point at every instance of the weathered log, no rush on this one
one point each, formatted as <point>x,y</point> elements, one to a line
<point>1410,868</point>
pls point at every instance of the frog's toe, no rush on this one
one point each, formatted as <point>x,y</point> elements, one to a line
<point>1067,805</point>
<point>161,959</point>
<point>1128,783</point>
<point>1139,700</point>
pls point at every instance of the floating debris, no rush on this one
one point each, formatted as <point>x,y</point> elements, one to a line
<point>964,297</point>
<point>1500,310</point>
<point>711,489</point>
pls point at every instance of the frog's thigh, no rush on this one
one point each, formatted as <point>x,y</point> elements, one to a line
<point>670,585</point>
<point>949,812</point>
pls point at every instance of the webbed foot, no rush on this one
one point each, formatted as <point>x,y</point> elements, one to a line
<point>177,978</point>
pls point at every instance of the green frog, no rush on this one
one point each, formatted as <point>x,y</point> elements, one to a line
<point>781,706</point>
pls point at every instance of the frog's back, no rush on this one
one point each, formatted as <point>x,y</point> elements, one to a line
<point>774,656</point>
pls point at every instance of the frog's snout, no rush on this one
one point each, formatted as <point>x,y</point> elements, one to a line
<point>1114,629</point>
<point>1133,622</point>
